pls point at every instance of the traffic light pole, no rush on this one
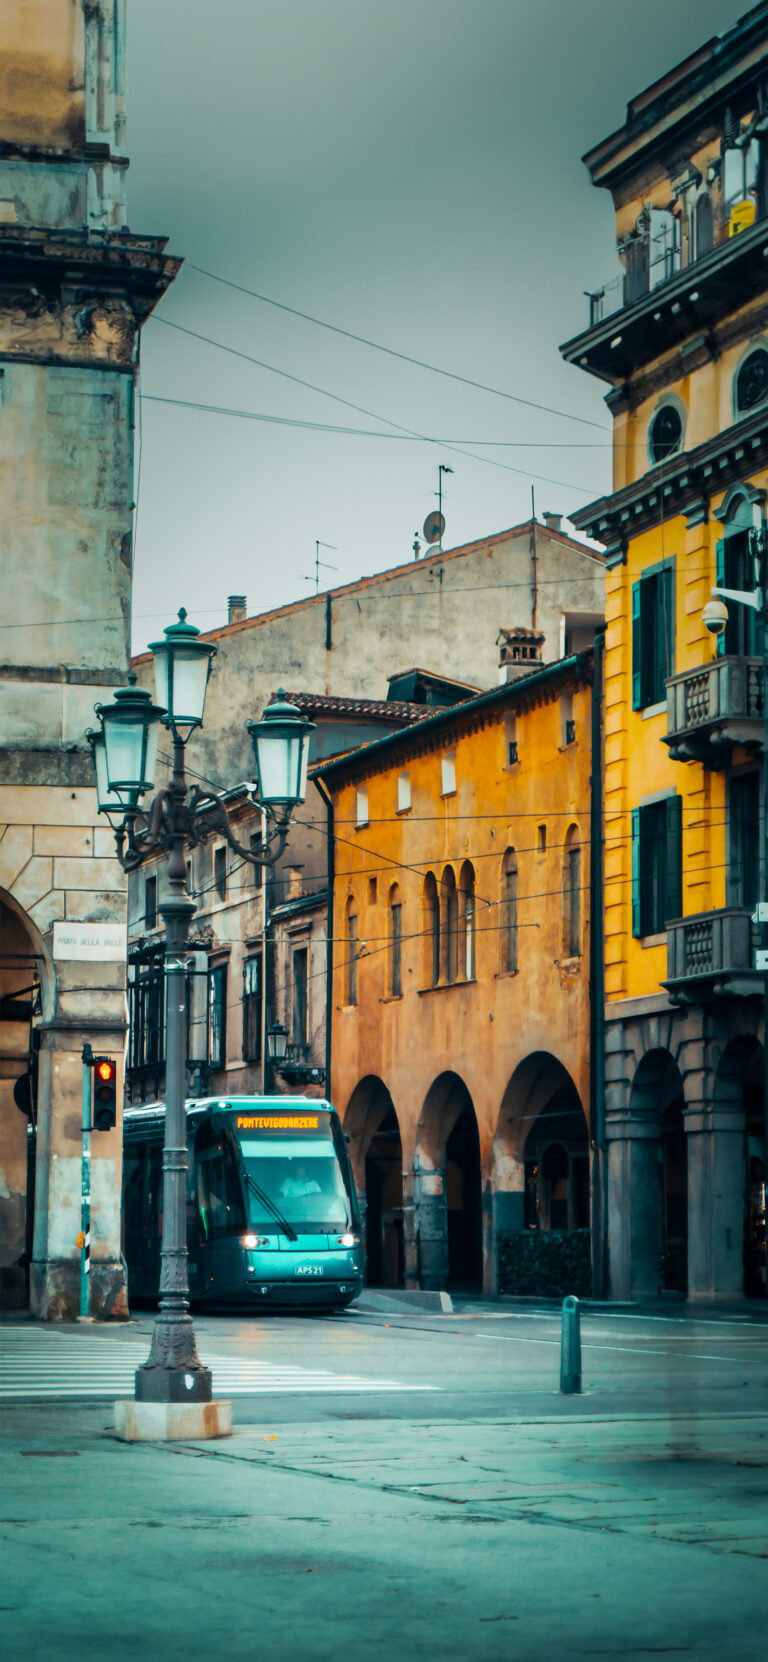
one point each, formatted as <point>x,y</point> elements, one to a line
<point>85,1188</point>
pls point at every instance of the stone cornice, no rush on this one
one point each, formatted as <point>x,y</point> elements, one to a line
<point>683,484</point>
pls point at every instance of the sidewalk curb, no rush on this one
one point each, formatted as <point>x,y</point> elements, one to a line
<point>403,1300</point>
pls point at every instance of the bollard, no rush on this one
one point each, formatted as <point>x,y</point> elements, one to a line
<point>570,1347</point>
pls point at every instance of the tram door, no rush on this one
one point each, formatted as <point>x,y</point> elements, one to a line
<point>221,1211</point>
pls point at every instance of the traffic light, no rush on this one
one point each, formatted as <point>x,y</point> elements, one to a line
<point>104,1092</point>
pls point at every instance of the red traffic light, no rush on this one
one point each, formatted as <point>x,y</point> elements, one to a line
<point>106,1070</point>
<point>104,1092</point>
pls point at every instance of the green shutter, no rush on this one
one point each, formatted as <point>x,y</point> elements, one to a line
<point>673,865</point>
<point>720,584</point>
<point>636,871</point>
<point>667,634</point>
<point>637,695</point>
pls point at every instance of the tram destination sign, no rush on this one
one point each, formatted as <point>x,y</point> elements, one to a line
<point>279,1122</point>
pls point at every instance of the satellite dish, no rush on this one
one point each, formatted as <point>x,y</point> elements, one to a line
<point>434,526</point>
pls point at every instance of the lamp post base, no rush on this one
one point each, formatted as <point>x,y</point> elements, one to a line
<point>173,1384</point>
<point>172,1422</point>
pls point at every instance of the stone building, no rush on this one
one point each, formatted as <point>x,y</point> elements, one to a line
<point>76,287</point>
<point>462,972</point>
<point>681,338</point>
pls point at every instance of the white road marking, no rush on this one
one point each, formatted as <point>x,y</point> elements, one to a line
<point>37,1364</point>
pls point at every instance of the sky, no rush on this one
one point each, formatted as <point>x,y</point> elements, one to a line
<point>405,170</point>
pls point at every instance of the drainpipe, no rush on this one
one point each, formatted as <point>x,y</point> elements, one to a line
<point>597,981</point>
<point>330,870</point>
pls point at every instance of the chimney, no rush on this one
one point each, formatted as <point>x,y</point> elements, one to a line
<point>236,608</point>
<point>553,522</point>
<point>521,652</point>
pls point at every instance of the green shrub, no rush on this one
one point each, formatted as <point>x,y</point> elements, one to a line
<point>545,1263</point>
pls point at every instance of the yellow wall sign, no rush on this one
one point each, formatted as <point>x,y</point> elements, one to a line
<point>277,1122</point>
<point>743,214</point>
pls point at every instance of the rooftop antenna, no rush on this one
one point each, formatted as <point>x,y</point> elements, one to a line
<point>443,468</point>
<point>319,563</point>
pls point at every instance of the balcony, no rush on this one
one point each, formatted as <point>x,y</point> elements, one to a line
<point>714,707</point>
<point>711,955</point>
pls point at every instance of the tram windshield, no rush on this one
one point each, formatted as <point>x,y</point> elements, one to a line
<point>295,1180</point>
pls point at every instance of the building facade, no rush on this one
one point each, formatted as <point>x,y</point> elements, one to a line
<point>461,976</point>
<point>681,340</point>
<point>76,287</point>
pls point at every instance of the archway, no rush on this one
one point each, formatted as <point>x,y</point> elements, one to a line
<point>658,1204</point>
<point>541,1150</point>
<point>376,1153</point>
<point>739,1087</point>
<point>448,1187</point>
<point>25,982</point>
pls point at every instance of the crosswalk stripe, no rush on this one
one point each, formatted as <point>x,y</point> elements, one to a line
<point>42,1365</point>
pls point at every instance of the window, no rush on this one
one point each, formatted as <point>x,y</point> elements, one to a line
<point>735,569</point>
<point>541,839</point>
<point>372,891</point>
<point>217,1017</point>
<point>744,848</point>
<point>361,807</point>
<point>403,792</point>
<point>395,942</point>
<point>220,871</point>
<point>467,920</point>
<point>572,895</point>
<point>430,926</point>
<point>219,1193</point>
<point>299,1005</point>
<point>189,876</point>
<point>567,723</point>
<point>511,753</point>
<point>448,774</point>
<point>146,1011</point>
<point>665,433</point>
<point>449,910</point>
<point>751,386</point>
<point>252,1009</point>
<point>653,635</point>
<point>150,903</point>
<point>256,844</point>
<point>351,953</point>
<point>508,934</point>
<point>657,865</point>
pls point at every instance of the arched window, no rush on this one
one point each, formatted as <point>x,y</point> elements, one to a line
<point>430,932</point>
<point>508,909</point>
<point>572,895</point>
<point>351,951</point>
<point>449,916</point>
<point>395,942</point>
<point>751,381</point>
<point>704,227</point>
<point>467,920</point>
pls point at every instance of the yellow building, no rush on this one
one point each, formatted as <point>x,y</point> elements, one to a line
<point>681,336</point>
<point>461,973</point>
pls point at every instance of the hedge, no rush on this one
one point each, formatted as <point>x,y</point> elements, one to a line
<point>545,1263</point>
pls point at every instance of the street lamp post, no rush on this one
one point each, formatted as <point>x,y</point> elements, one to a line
<point>124,753</point>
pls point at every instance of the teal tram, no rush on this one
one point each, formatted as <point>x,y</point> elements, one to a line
<point>272,1215</point>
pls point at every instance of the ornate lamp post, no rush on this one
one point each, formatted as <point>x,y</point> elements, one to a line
<point>124,752</point>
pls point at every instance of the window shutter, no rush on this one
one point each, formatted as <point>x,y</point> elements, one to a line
<point>667,633</point>
<point>636,649</point>
<point>673,871</point>
<point>636,871</point>
<point>720,584</point>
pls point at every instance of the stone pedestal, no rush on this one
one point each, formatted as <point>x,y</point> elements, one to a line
<point>172,1422</point>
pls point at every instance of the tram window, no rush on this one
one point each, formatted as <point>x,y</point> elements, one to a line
<point>218,1188</point>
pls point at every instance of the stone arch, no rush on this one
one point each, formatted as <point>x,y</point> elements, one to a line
<point>540,1109</point>
<point>27,992</point>
<point>742,1157</point>
<point>447,1186</point>
<point>376,1153</point>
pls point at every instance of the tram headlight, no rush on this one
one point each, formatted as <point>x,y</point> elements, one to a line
<point>348,1240</point>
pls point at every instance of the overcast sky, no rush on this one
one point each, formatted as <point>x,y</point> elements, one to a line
<point>408,170</point>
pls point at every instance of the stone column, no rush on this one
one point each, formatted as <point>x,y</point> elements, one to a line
<point>431,1222</point>
<point>716,1193</point>
<point>632,1177</point>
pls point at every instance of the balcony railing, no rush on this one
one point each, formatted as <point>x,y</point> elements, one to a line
<point>650,263</point>
<point>712,955</point>
<point>712,708</point>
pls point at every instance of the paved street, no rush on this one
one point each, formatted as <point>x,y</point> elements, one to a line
<point>395,1480</point>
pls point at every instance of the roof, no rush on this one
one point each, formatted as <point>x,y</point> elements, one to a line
<point>299,903</point>
<point>540,677</point>
<point>335,704</point>
<point>434,559</point>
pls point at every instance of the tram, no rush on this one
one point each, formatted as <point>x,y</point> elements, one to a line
<point>272,1215</point>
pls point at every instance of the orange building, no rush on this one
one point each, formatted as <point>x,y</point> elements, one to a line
<point>461,975</point>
